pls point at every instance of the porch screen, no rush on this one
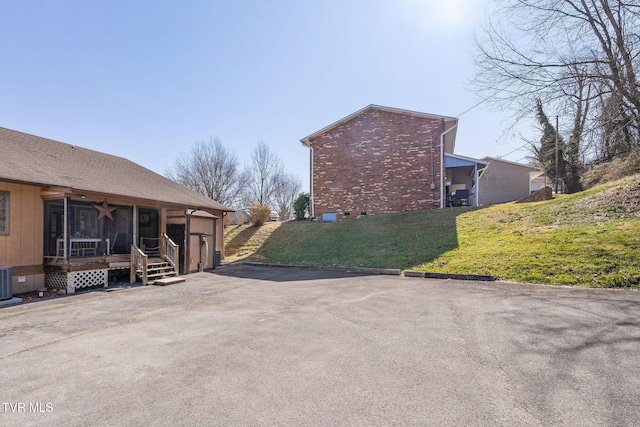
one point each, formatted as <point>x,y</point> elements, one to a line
<point>4,213</point>
<point>81,221</point>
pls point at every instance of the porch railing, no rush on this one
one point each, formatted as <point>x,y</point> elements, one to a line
<point>150,246</point>
<point>169,250</point>
<point>139,265</point>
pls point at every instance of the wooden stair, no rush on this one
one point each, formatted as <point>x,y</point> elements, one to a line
<point>158,265</point>
<point>157,269</point>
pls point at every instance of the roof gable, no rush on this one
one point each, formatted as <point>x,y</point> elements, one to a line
<point>450,122</point>
<point>34,160</point>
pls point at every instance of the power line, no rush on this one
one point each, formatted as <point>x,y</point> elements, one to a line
<point>481,102</point>
<point>517,149</point>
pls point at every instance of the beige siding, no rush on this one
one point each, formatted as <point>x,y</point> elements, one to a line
<point>503,182</point>
<point>22,249</point>
<point>220,232</point>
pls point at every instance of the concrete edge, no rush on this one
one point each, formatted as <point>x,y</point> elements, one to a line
<point>478,277</point>
<point>414,274</point>
<point>10,302</point>
<point>377,271</point>
<point>355,270</point>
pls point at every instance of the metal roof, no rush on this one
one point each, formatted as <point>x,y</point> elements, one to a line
<point>455,160</point>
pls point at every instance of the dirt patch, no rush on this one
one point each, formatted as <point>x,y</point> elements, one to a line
<point>538,196</point>
<point>35,295</point>
<point>625,227</point>
<point>625,198</point>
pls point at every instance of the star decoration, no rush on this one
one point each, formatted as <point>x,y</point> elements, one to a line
<point>105,210</point>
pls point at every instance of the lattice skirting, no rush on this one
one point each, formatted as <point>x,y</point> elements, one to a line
<point>74,280</point>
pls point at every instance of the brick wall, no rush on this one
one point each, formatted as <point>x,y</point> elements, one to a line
<point>377,162</point>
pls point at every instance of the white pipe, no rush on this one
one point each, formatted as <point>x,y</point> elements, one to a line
<point>477,180</point>
<point>311,198</point>
<point>442,168</point>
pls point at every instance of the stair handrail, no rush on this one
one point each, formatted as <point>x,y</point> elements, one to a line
<point>139,265</point>
<point>169,251</point>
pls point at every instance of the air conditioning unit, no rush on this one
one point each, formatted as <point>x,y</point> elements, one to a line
<point>6,289</point>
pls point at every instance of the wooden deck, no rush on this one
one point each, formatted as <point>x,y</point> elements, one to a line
<point>111,262</point>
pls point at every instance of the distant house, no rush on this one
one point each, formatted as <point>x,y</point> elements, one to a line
<point>504,181</point>
<point>382,159</point>
<point>69,216</point>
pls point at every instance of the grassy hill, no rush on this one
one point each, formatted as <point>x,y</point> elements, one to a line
<point>589,239</point>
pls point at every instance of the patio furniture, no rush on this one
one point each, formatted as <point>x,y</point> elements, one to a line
<point>460,198</point>
<point>82,246</point>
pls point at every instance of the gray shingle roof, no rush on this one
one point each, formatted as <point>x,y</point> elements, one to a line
<point>34,160</point>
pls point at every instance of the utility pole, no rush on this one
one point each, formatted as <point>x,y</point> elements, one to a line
<point>556,177</point>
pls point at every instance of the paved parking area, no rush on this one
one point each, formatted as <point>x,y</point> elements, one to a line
<point>267,346</point>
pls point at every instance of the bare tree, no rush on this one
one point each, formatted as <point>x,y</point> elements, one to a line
<point>287,188</point>
<point>210,169</point>
<point>263,174</point>
<point>565,53</point>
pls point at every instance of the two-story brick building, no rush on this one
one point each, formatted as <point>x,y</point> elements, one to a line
<point>382,159</point>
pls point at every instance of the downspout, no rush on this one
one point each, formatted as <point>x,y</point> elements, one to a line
<point>477,180</point>
<point>312,199</point>
<point>442,168</point>
<point>307,144</point>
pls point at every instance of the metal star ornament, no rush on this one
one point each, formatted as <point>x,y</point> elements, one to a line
<point>105,210</point>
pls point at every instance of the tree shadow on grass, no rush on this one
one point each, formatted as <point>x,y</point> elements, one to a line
<point>400,240</point>
<point>233,246</point>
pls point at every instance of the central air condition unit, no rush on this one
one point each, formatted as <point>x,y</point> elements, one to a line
<point>6,289</point>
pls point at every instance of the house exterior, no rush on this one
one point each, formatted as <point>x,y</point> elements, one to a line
<point>504,181</point>
<point>382,159</point>
<point>69,216</point>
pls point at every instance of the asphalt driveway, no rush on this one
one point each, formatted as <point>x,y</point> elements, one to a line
<point>267,346</point>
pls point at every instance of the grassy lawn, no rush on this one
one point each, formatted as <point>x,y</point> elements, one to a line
<point>586,239</point>
<point>242,241</point>
<point>399,240</point>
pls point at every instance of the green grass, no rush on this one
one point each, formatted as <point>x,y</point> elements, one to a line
<point>571,240</point>
<point>242,240</point>
<point>399,240</point>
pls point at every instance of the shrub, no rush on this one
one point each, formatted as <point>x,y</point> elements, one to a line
<point>301,206</point>
<point>239,217</point>
<point>259,214</point>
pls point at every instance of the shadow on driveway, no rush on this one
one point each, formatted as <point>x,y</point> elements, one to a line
<point>282,274</point>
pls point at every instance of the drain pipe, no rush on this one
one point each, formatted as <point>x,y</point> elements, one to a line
<point>312,207</point>
<point>442,168</point>
<point>311,198</point>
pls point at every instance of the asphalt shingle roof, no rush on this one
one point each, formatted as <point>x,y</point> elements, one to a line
<point>34,160</point>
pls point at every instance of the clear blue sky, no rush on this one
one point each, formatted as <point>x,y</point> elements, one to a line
<point>146,79</point>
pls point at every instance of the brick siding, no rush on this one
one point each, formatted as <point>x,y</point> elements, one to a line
<point>377,162</point>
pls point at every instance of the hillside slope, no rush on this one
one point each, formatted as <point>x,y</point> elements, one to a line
<point>590,239</point>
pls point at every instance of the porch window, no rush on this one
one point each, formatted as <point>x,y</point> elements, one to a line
<point>4,213</point>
